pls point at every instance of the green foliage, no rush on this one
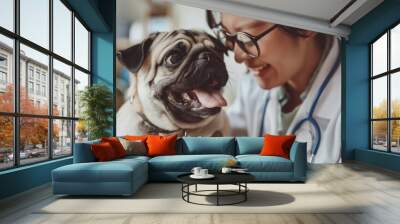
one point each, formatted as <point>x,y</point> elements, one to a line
<point>96,103</point>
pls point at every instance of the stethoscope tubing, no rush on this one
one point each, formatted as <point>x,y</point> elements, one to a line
<point>310,114</point>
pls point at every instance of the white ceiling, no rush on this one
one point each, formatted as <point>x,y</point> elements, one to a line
<point>319,9</point>
<point>306,14</point>
<point>313,15</point>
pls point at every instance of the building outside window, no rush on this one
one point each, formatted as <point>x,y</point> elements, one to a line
<point>57,127</point>
<point>38,89</point>
<point>3,78</point>
<point>30,87</point>
<point>3,72</point>
<point>30,72</point>
<point>3,61</point>
<point>43,90</point>
<point>37,74</point>
<point>44,77</point>
<point>385,91</point>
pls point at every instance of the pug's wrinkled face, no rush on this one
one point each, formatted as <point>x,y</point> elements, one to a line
<point>184,70</point>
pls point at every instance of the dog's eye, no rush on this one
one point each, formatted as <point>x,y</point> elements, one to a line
<point>173,59</point>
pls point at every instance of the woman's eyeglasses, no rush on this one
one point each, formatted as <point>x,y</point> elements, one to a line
<point>246,42</point>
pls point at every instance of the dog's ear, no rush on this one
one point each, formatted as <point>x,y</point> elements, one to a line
<point>134,56</point>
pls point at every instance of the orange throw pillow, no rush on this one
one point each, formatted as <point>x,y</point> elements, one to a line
<point>135,137</point>
<point>277,145</point>
<point>103,152</point>
<point>161,145</point>
<point>116,145</point>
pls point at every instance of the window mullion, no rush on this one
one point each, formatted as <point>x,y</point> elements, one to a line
<point>16,84</point>
<point>73,82</point>
<point>389,106</point>
<point>50,81</point>
<point>371,99</point>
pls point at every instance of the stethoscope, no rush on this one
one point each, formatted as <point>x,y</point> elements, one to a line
<point>309,118</point>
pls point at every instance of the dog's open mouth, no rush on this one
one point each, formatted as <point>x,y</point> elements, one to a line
<point>197,99</point>
<point>196,103</point>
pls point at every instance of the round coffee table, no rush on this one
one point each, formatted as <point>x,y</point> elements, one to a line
<point>238,179</point>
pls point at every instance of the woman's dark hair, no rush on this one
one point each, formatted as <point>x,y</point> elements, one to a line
<point>322,39</point>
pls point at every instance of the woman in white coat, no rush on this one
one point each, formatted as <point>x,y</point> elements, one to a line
<point>294,86</point>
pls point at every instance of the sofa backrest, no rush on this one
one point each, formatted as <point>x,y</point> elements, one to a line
<point>83,152</point>
<point>249,145</point>
<point>206,145</point>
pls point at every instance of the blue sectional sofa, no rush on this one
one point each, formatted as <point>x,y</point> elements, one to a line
<point>125,176</point>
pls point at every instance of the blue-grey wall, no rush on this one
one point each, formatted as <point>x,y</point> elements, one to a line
<point>356,85</point>
<point>99,16</point>
<point>24,178</point>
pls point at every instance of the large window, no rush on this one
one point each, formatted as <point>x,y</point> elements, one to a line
<point>44,64</point>
<point>385,91</point>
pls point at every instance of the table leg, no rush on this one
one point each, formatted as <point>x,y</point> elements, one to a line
<point>188,189</point>
<point>217,194</point>
<point>245,193</point>
<point>196,187</point>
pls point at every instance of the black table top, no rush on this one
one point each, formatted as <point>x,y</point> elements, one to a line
<point>220,178</point>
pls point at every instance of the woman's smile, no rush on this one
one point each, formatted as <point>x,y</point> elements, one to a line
<point>260,70</point>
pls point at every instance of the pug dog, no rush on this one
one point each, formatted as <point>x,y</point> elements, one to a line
<point>176,86</point>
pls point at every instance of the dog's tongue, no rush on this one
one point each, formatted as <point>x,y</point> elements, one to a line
<point>210,100</point>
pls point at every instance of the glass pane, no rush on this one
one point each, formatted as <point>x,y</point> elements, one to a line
<point>395,47</point>
<point>7,14</point>
<point>35,21</point>
<point>62,29</point>
<point>81,81</point>
<point>62,89</point>
<point>6,142</point>
<point>395,136</point>
<point>6,74</point>
<point>81,45</point>
<point>395,94</point>
<point>379,97</point>
<point>33,139</point>
<point>379,55</point>
<point>81,131</point>
<point>34,96</point>
<point>62,138</point>
<point>379,135</point>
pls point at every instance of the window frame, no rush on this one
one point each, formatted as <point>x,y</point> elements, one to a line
<point>388,74</point>
<point>16,115</point>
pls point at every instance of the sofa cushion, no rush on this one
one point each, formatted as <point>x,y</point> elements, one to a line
<point>133,158</point>
<point>111,171</point>
<point>249,145</point>
<point>207,145</point>
<point>257,163</point>
<point>159,145</point>
<point>277,145</point>
<point>103,152</point>
<point>185,163</point>
<point>116,145</point>
<point>134,147</point>
<point>136,137</point>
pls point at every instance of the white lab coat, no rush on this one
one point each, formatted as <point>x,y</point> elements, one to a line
<point>247,110</point>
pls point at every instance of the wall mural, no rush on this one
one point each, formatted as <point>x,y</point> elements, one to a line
<point>194,72</point>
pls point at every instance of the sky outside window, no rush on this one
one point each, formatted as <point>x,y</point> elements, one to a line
<point>379,56</point>
<point>7,14</point>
